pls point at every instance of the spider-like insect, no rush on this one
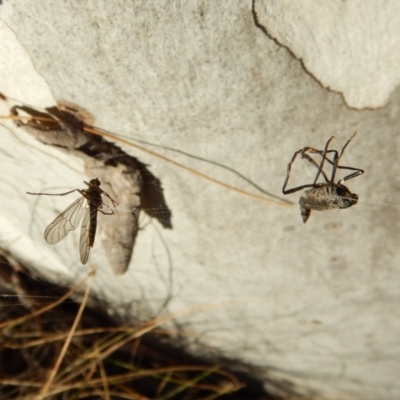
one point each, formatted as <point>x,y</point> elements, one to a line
<point>328,195</point>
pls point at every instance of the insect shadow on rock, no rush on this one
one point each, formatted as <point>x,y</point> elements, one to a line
<point>70,128</point>
<point>328,195</point>
<point>69,219</point>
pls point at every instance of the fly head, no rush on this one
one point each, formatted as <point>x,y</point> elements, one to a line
<point>347,199</point>
<point>94,182</point>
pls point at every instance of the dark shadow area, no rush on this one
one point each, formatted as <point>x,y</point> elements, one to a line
<point>123,177</point>
<point>103,355</point>
<point>64,126</point>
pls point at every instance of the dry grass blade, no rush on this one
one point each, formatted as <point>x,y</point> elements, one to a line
<point>42,357</point>
<point>254,196</point>
<point>64,349</point>
<point>39,116</point>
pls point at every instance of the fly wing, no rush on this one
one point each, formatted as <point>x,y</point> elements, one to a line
<point>84,247</point>
<point>66,222</point>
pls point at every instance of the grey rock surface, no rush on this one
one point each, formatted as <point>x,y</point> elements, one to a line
<point>315,304</point>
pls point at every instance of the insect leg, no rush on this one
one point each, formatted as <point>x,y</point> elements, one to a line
<point>312,161</point>
<point>323,160</point>
<point>106,213</point>
<point>357,172</point>
<point>295,189</point>
<point>107,195</point>
<point>288,173</point>
<point>56,194</point>
<point>344,147</point>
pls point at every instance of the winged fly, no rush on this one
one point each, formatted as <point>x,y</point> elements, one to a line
<point>87,206</point>
<point>328,195</point>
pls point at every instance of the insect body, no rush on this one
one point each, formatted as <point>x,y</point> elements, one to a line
<point>328,195</point>
<point>69,219</point>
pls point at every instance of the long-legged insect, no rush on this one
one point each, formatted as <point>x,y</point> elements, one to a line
<point>69,219</point>
<point>328,195</point>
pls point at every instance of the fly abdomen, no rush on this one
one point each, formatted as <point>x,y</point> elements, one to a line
<point>93,224</point>
<point>318,198</point>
